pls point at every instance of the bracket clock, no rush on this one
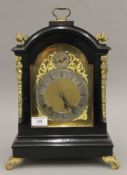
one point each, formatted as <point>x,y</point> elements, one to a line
<point>62,74</point>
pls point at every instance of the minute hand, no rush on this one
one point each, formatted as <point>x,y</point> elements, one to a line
<point>66,103</point>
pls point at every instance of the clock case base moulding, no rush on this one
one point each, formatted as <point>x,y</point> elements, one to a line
<point>54,148</point>
<point>60,143</point>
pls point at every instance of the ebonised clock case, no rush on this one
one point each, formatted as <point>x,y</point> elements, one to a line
<point>69,142</point>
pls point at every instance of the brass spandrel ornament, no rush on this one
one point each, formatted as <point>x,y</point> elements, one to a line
<point>62,79</point>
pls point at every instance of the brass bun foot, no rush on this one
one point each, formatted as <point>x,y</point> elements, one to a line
<point>112,161</point>
<point>13,162</point>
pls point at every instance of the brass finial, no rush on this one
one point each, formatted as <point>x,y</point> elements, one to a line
<point>102,37</point>
<point>21,38</point>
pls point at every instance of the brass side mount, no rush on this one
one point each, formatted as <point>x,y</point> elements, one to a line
<point>19,67</point>
<point>102,38</point>
<point>104,70</point>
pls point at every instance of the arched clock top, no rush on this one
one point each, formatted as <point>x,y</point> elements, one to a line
<point>63,33</point>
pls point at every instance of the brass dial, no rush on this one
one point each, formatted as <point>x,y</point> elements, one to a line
<point>61,87</point>
<point>62,95</point>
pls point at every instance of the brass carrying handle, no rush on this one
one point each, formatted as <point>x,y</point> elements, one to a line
<point>61,18</point>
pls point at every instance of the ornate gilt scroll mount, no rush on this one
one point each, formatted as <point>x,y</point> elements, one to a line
<point>19,79</point>
<point>13,162</point>
<point>77,66</point>
<point>46,66</point>
<point>111,160</point>
<point>83,116</point>
<point>104,70</point>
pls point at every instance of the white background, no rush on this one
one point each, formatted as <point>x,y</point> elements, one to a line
<point>28,16</point>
